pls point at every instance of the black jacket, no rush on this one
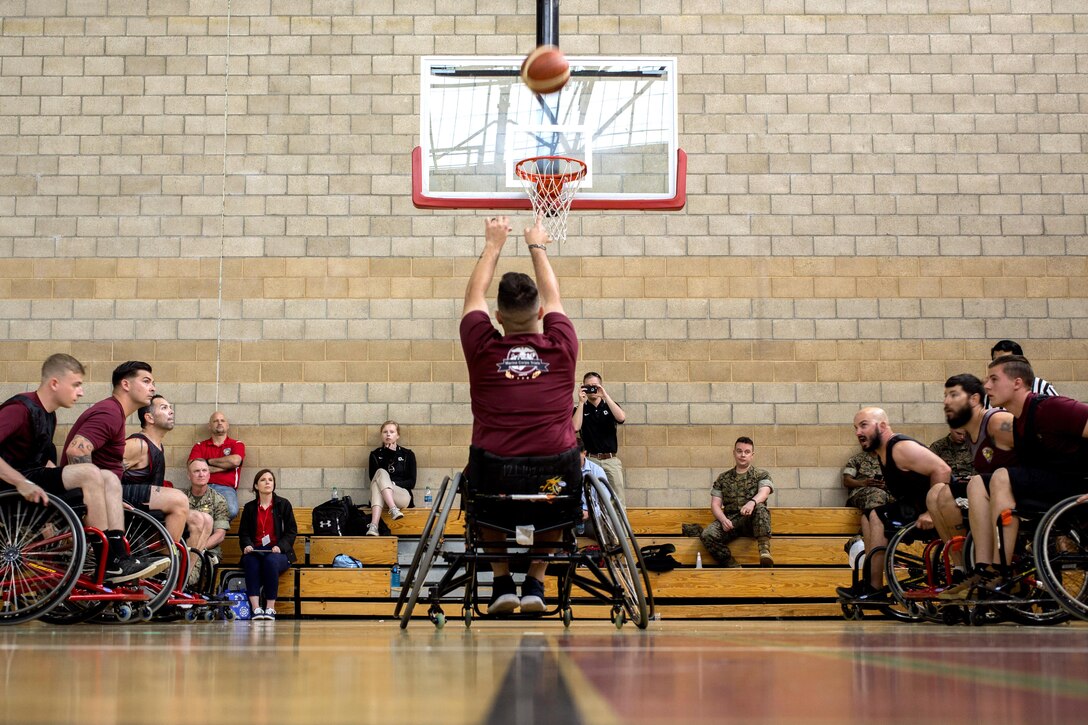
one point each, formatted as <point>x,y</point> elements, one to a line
<point>283,517</point>
<point>400,463</point>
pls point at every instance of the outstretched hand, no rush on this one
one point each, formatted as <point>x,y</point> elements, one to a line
<point>496,229</point>
<point>536,234</point>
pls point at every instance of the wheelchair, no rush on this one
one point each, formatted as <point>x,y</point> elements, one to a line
<point>1061,552</point>
<point>42,550</point>
<point>919,566</point>
<point>610,569</point>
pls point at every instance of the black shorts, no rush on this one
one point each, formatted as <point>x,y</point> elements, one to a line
<point>1041,488</point>
<point>48,478</point>
<point>137,494</point>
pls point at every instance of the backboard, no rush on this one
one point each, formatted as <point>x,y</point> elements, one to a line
<point>477,120</point>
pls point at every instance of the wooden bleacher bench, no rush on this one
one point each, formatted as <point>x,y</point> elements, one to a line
<point>807,548</point>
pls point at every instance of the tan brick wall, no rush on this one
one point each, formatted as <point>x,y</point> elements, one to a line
<point>878,190</point>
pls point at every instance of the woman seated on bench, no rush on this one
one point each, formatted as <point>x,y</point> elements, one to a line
<point>267,534</point>
<point>392,477</point>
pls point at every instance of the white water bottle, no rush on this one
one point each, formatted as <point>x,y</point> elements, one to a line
<point>335,494</point>
<point>698,560</point>
<point>427,500</point>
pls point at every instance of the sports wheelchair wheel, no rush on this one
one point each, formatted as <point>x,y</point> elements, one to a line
<point>1061,555</point>
<point>909,561</point>
<point>429,541</point>
<point>616,550</point>
<point>41,554</point>
<point>149,539</point>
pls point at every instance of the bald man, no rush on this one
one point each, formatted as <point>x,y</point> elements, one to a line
<point>909,469</point>
<point>224,456</point>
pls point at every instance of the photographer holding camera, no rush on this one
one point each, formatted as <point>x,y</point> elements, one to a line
<point>595,419</point>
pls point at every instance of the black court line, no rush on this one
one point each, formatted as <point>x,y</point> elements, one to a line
<point>533,692</point>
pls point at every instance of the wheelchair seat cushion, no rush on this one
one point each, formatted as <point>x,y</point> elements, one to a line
<point>545,491</point>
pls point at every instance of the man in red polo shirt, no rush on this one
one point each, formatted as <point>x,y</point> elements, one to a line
<point>519,381</point>
<point>224,456</point>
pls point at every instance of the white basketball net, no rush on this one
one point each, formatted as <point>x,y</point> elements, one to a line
<point>551,183</point>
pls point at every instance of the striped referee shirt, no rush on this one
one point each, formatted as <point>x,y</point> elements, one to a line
<point>1039,387</point>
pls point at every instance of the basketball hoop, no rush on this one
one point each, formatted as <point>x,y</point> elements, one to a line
<point>551,183</point>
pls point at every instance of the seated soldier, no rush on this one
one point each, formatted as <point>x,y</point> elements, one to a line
<point>909,470</point>
<point>861,476</point>
<point>207,501</point>
<point>956,452</point>
<point>1050,435</point>
<point>28,464</point>
<point>519,385</point>
<point>738,499</point>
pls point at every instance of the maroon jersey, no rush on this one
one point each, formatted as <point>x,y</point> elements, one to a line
<point>103,424</point>
<point>1049,433</point>
<point>26,433</point>
<point>521,386</point>
<point>986,456</point>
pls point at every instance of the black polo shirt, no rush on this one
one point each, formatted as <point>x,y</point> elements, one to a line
<point>599,428</point>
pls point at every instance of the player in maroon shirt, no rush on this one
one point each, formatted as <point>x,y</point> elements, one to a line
<point>98,437</point>
<point>519,382</point>
<point>1051,443</point>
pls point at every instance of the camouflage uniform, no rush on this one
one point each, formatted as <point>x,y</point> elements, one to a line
<point>214,504</point>
<point>957,455</point>
<point>865,465</point>
<point>735,490</point>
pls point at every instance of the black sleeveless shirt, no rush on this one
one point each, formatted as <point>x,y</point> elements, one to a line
<point>38,448</point>
<point>906,486</point>
<point>155,473</point>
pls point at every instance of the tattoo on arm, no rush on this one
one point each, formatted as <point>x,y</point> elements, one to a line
<point>1006,426</point>
<point>80,450</point>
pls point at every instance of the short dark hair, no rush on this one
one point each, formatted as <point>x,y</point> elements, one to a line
<point>128,370</point>
<point>258,478</point>
<point>1015,366</point>
<point>970,384</point>
<point>518,296</point>
<point>1006,346</point>
<point>59,363</point>
<point>592,374</point>
<point>744,439</point>
<point>141,414</point>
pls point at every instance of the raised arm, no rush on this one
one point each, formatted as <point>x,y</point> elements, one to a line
<point>496,230</point>
<point>546,282</point>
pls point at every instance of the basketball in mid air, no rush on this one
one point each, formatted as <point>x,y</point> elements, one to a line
<point>545,70</point>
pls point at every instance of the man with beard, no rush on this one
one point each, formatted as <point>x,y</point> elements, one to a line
<point>1050,435</point>
<point>909,469</point>
<point>989,439</point>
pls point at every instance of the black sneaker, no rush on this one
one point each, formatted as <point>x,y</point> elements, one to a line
<point>133,567</point>
<point>504,598</point>
<point>532,596</point>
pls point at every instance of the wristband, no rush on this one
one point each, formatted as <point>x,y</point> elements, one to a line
<point>538,246</point>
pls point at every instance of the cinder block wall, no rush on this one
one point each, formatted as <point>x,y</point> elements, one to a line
<point>878,190</point>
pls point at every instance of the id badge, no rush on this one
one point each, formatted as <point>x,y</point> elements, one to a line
<point>266,540</point>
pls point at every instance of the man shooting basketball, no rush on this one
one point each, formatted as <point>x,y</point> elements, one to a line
<point>520,383</point>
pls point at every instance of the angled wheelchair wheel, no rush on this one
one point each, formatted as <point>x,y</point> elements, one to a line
<point>75,608</point>
<point>41,554</point>
<point>416,578</point>
<point>425,535</point>
<point>1061,555</point>
<point>149,539</point>
<point>621,513</point>
<point>617,550</point>
<point>906,571</point>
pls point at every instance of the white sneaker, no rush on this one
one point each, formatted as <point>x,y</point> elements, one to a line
<point>372,530</point>
<point>396,513</point>
<point>259,613</point>
<point>270,614</point>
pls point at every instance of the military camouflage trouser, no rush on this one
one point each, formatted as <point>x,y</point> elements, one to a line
<point>868,498</point>
<point>715,538</point>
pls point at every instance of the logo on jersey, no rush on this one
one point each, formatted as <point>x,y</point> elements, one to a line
<point>522,363</point>
<point>553,486</point>
<point>988,454</point>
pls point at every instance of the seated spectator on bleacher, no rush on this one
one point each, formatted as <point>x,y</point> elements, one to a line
<point>955,450</point>
<point>392,477</point>
<point>225,457</point>
<point>862,477</point>
<point>1008,347</point>
<point>738,499</point>
<point>267,534</point>
<point>598,472</point>
<point>207,501</point>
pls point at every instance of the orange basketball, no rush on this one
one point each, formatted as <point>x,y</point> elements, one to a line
<point>545,70</point>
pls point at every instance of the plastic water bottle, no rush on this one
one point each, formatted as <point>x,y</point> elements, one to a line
<point>427,499</point>
<point>394,576</point>
<point>335,493</point>
<point>699,560</point>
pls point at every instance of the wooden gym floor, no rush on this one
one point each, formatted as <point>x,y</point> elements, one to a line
<point>330,672</point>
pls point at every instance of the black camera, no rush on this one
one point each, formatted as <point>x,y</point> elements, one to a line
<point>590,389</point>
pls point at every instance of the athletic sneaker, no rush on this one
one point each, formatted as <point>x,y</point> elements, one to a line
<point>532,596</point>
<point>133,567</point>
<point>259,613</point>
<point>270,614</point>
<point>396,513</point>
<point>504,597</point>
<point>372,530</point>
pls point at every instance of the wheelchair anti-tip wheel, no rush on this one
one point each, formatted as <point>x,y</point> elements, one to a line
<point>149,539</point>
<point>42,549</point>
